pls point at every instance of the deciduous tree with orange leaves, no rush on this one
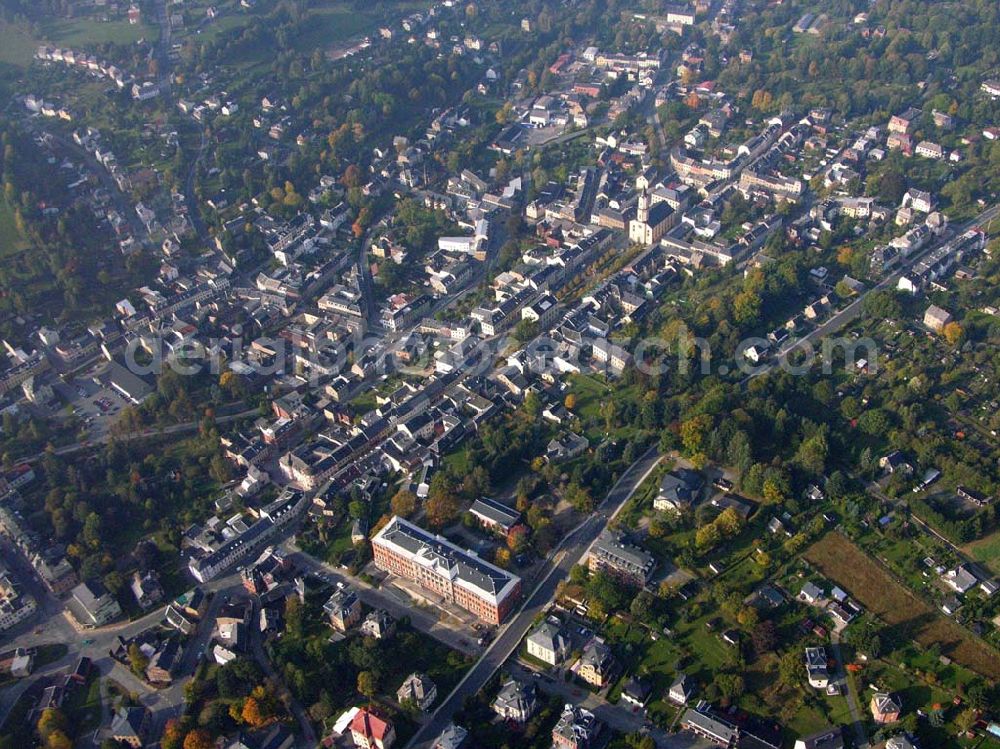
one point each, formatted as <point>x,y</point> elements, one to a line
<point>198,738</point>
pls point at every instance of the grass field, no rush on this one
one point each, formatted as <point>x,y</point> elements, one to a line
<point>334,23</point>
<point>799,712</point>
<point>11,241</point>
<point>913,618</point>
<point>84,31</point>
<point>987,551</point>
<point>17,46</point>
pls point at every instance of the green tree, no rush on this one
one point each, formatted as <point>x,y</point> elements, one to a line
<point>580,497</point>
<point>442,502</point>
<point>293,616</point>
<point>367,684</point>
<point>694,433</point>
<point>812,454</point>
<point>747,308</point>
<point>642,605</point>
<point>137,660</point>
<point>731,686</point>
<point>790,669</point>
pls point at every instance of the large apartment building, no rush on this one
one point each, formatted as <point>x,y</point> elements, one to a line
<point>458,576</point>
<point>614,554</point>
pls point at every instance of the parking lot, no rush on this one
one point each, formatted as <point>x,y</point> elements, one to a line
<point>97,406</point>
<point>539,136</point>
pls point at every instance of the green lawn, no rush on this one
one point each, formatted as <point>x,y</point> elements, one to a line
<point>458,462</point>
<point>825,712</point>
<point>641,502</point>
<point>334,23</point>
<point>83,708</point>
<point>17,46</point>
<point>83,31</point>
<point>987,551</point>
<point>337,544</point>
<point>11,240</point>
<point>216,27</point>
<point>590,392</point>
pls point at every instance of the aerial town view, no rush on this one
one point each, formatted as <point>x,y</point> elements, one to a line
<point>500,374</point>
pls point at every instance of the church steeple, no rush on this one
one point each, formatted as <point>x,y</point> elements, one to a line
<point>642,214</point>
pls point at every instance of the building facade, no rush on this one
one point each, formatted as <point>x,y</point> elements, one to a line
<point>458,576</point>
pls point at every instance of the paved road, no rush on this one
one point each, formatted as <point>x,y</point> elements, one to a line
<point>57,628</point>
<point>120,200</point>
<point>572,550</point>
<point>194,214</point>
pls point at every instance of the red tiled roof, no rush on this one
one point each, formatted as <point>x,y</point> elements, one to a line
<point>369,725</point>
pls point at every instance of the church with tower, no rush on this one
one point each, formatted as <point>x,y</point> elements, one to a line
<point>652,220</point>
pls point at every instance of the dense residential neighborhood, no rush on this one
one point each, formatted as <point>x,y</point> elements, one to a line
<point>595,374</point>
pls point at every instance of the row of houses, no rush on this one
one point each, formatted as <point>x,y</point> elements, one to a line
<point>247,539</point>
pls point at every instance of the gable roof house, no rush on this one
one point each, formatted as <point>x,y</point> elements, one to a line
<point>276,737</point>
<point>895,461</point>
<point>678,490</point>
<point>164,661</point>
<point>682,690</point>
<point>418,689</point>
<point>371,732</point>
<point>130,726</point>
<point>636,691</point>
<point>547,643</point>
<point>811,593</point>
<point>709,726</point>
<point>92,605</point>
<point>516,701</point>
<point>828,738</point>
<point>960,579</point>
<point>936,318</point>
<point>885,707</point>
<point>495,516</point>
<point>565,447</point>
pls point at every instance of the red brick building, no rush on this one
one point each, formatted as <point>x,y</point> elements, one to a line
<point>458,576</point>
